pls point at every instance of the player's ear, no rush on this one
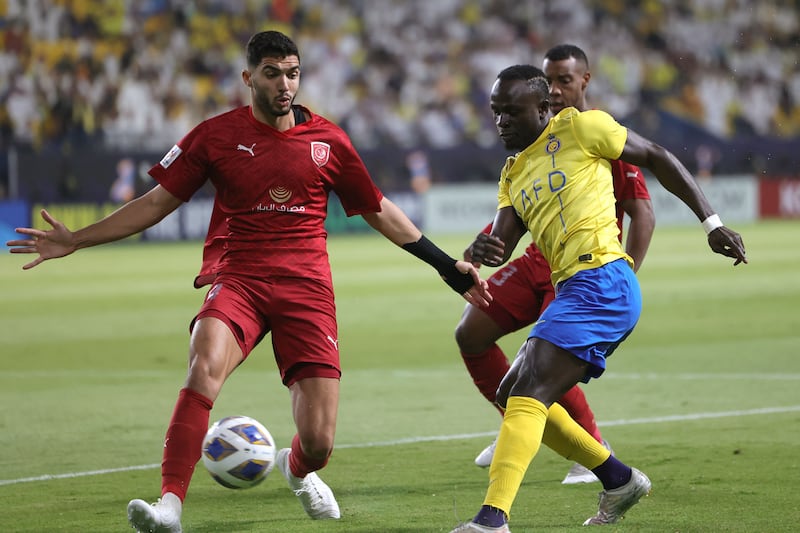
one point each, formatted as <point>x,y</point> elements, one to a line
<point>586,77</point>
<point>544,108</point>
<point>246,78</point>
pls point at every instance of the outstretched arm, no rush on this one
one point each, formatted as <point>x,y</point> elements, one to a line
<point>679,181</point>
<point>461,276</point>
<point>133,217</point>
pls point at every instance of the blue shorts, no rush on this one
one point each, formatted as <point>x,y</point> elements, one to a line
<point>592,313</point>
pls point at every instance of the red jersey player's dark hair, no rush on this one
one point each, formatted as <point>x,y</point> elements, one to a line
<point>269,44</point>
<point>562,52</point>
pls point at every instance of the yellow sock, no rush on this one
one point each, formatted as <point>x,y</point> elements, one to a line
<point>568,439</point>
<point>517,444</point>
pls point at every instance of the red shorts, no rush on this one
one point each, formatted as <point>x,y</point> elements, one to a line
<point>300,313</point>
<point>521,290</point>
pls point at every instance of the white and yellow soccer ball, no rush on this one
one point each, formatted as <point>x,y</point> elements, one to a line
<point>238,452</point>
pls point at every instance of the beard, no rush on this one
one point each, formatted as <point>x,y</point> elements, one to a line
<point>272,108</point>
<point>280,112</point>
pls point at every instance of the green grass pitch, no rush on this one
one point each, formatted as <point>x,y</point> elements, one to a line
<point>704,396</point>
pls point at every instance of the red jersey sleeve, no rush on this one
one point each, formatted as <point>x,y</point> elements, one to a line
<point>629,182</point>
<point>353,184</point>
<point>183,170</point>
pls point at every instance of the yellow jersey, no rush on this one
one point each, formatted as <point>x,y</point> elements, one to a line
<point>562,189</point>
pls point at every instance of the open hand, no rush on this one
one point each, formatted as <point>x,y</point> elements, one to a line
<point>50,244</point>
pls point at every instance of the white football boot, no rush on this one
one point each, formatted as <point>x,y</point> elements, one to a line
<point>164,516</point>
<point>472,527</point>
<point>614,503</point>
<point>484,459</point>
<point>317,497</point>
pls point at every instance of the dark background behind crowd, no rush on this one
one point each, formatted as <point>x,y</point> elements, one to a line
<point>716,81</point>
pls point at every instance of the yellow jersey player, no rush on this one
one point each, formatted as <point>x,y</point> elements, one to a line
<point>559,188</point>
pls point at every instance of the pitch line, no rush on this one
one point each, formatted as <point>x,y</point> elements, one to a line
<point>438,438</point>
<point>701,376</point>
<point>635,376</point>
<point>48,477</point>
<point>622,422</point>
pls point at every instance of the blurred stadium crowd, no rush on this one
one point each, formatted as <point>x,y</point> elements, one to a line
<point>405,74</point>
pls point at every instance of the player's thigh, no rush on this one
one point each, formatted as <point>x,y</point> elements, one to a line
<point>545,371</point>
<point>305,341</point>
<point>540,370</point>
<point>238,302</point>
<point>214,353</point>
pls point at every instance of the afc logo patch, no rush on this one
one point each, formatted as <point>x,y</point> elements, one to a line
<point>320,152</point>
<point>170,156</point>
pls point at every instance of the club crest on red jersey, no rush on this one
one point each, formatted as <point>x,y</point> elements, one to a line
<point>320,152</point>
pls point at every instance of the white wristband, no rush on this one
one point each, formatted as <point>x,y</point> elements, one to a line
<point>711,223</point>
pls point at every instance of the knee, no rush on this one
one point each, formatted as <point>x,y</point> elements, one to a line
<point>205,376</point>
<point>470,342</point>
<point>317,445</point>
<point>501,396</point>
<point>508,381</point>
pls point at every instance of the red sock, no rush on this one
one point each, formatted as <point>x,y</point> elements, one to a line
<point>487,370</point>
<point>184,441</point>
<point>300,464</point>
<point>574,402</point>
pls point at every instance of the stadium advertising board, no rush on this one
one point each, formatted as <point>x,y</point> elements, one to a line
<point>13,214</point>
<point>734,197</point>
<point>459,208</point>
<point>468,208</point>
<point>779,198</point>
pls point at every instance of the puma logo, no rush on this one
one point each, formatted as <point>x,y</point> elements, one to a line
<point>246,149</point>
<point>335,342</point>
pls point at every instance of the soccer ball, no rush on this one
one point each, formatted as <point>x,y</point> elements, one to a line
<point>238,452</point>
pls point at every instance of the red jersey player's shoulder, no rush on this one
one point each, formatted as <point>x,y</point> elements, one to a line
<point>234,116</point>
<point>318,123</point>
<point>629,182</point>
<point>224,125</point>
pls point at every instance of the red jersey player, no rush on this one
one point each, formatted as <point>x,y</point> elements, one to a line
<point>273,165</point>
<point>522,289</point>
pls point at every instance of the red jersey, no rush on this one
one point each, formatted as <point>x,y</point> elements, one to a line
<point>629,184</point>
<point>271,191</point>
